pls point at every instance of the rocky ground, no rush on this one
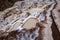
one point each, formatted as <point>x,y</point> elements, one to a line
<point>43,14</point>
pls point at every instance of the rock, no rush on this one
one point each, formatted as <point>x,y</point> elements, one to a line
<point>56,15</point>
<point>30,23</point>
<point>28,18</point>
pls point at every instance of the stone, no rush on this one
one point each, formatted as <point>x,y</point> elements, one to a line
<point>56,15</point>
